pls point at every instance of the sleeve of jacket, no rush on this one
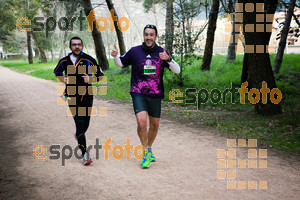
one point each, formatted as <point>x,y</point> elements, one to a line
<point>99,71</point>
<point>126,58</point>
<point>59,69</point>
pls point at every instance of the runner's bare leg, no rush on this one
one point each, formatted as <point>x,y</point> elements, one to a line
<point>141,119</point>
<point>152,132</point>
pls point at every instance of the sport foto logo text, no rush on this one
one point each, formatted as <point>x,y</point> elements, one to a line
<point>215,96</point>
<point>67,151</point>
<point>64,24</point>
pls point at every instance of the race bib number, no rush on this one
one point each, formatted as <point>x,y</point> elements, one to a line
<point>149,69</point>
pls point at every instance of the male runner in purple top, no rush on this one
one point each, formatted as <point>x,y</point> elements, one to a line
<point>148,62</point>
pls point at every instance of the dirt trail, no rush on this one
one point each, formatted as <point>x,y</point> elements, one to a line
<point>186,166</point>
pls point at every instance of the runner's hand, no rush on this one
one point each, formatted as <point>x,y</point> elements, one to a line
<point>114,52</point>
<point>163,55</point>
<point>66,79</point>
<point>86,78</point>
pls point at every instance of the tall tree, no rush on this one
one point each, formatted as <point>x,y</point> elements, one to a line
<point>212,24</point>
<point>99,45</point>
<point>36,53</point>
<point>41,39</point>
<point>52,41</point>
<point>29,48</point>
<point>192,9</point>
<point>184,36</point>
<point>169,26</point>
<point>257,66</point>
<point>8,19</point>
<point>42,43</point>
<point>63,38</point>
<point>25,8</point>
<point>120,37</point>
<point>229,8</point>
<point>284,34</point>
<point>30,9</point>
<point>184,15</point>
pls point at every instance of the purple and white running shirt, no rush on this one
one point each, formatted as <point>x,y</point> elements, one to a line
<point>146,72</point>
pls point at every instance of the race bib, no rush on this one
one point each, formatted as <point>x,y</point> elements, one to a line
<point>149,69</point>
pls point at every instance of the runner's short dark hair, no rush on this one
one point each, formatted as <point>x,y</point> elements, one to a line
<point>151,26</point>
<point>75,38</point>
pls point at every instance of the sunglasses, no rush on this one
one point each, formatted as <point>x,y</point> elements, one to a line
<point>150,26</point>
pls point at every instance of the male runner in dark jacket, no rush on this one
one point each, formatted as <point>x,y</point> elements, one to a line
<point>78,68</point>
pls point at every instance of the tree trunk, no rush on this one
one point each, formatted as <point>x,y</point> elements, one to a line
<point>36,52</point>
<point>212,25</point>
<point>62,52</point>
<point>181,63</point>
<point>53,33</point>
<point>284,34</point>
<point>99,45</point>
<point>52,52</point>
<point>43,56</point>
<point>231,54</point>
<point>169,26</point>
<point>189,35</point>
<point>257,66</point>
<point>119,33</point>
<point>30,60</point>
<point>206,8</point>
<point>108,46</point>
<point>40,47</point>
<point>183,26</point>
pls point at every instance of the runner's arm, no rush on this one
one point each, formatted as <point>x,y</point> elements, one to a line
<point>59,71</point>
<point>174,67</point>
<point>118,61</point>
<point>97,69</point>
<point>99,73</point>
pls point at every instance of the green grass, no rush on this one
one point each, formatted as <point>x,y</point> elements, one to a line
<point>280,131</point>
<point>118,82</point>
<point>41,70</point>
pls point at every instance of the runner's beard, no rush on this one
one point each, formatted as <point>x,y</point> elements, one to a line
<point>76,54</point>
